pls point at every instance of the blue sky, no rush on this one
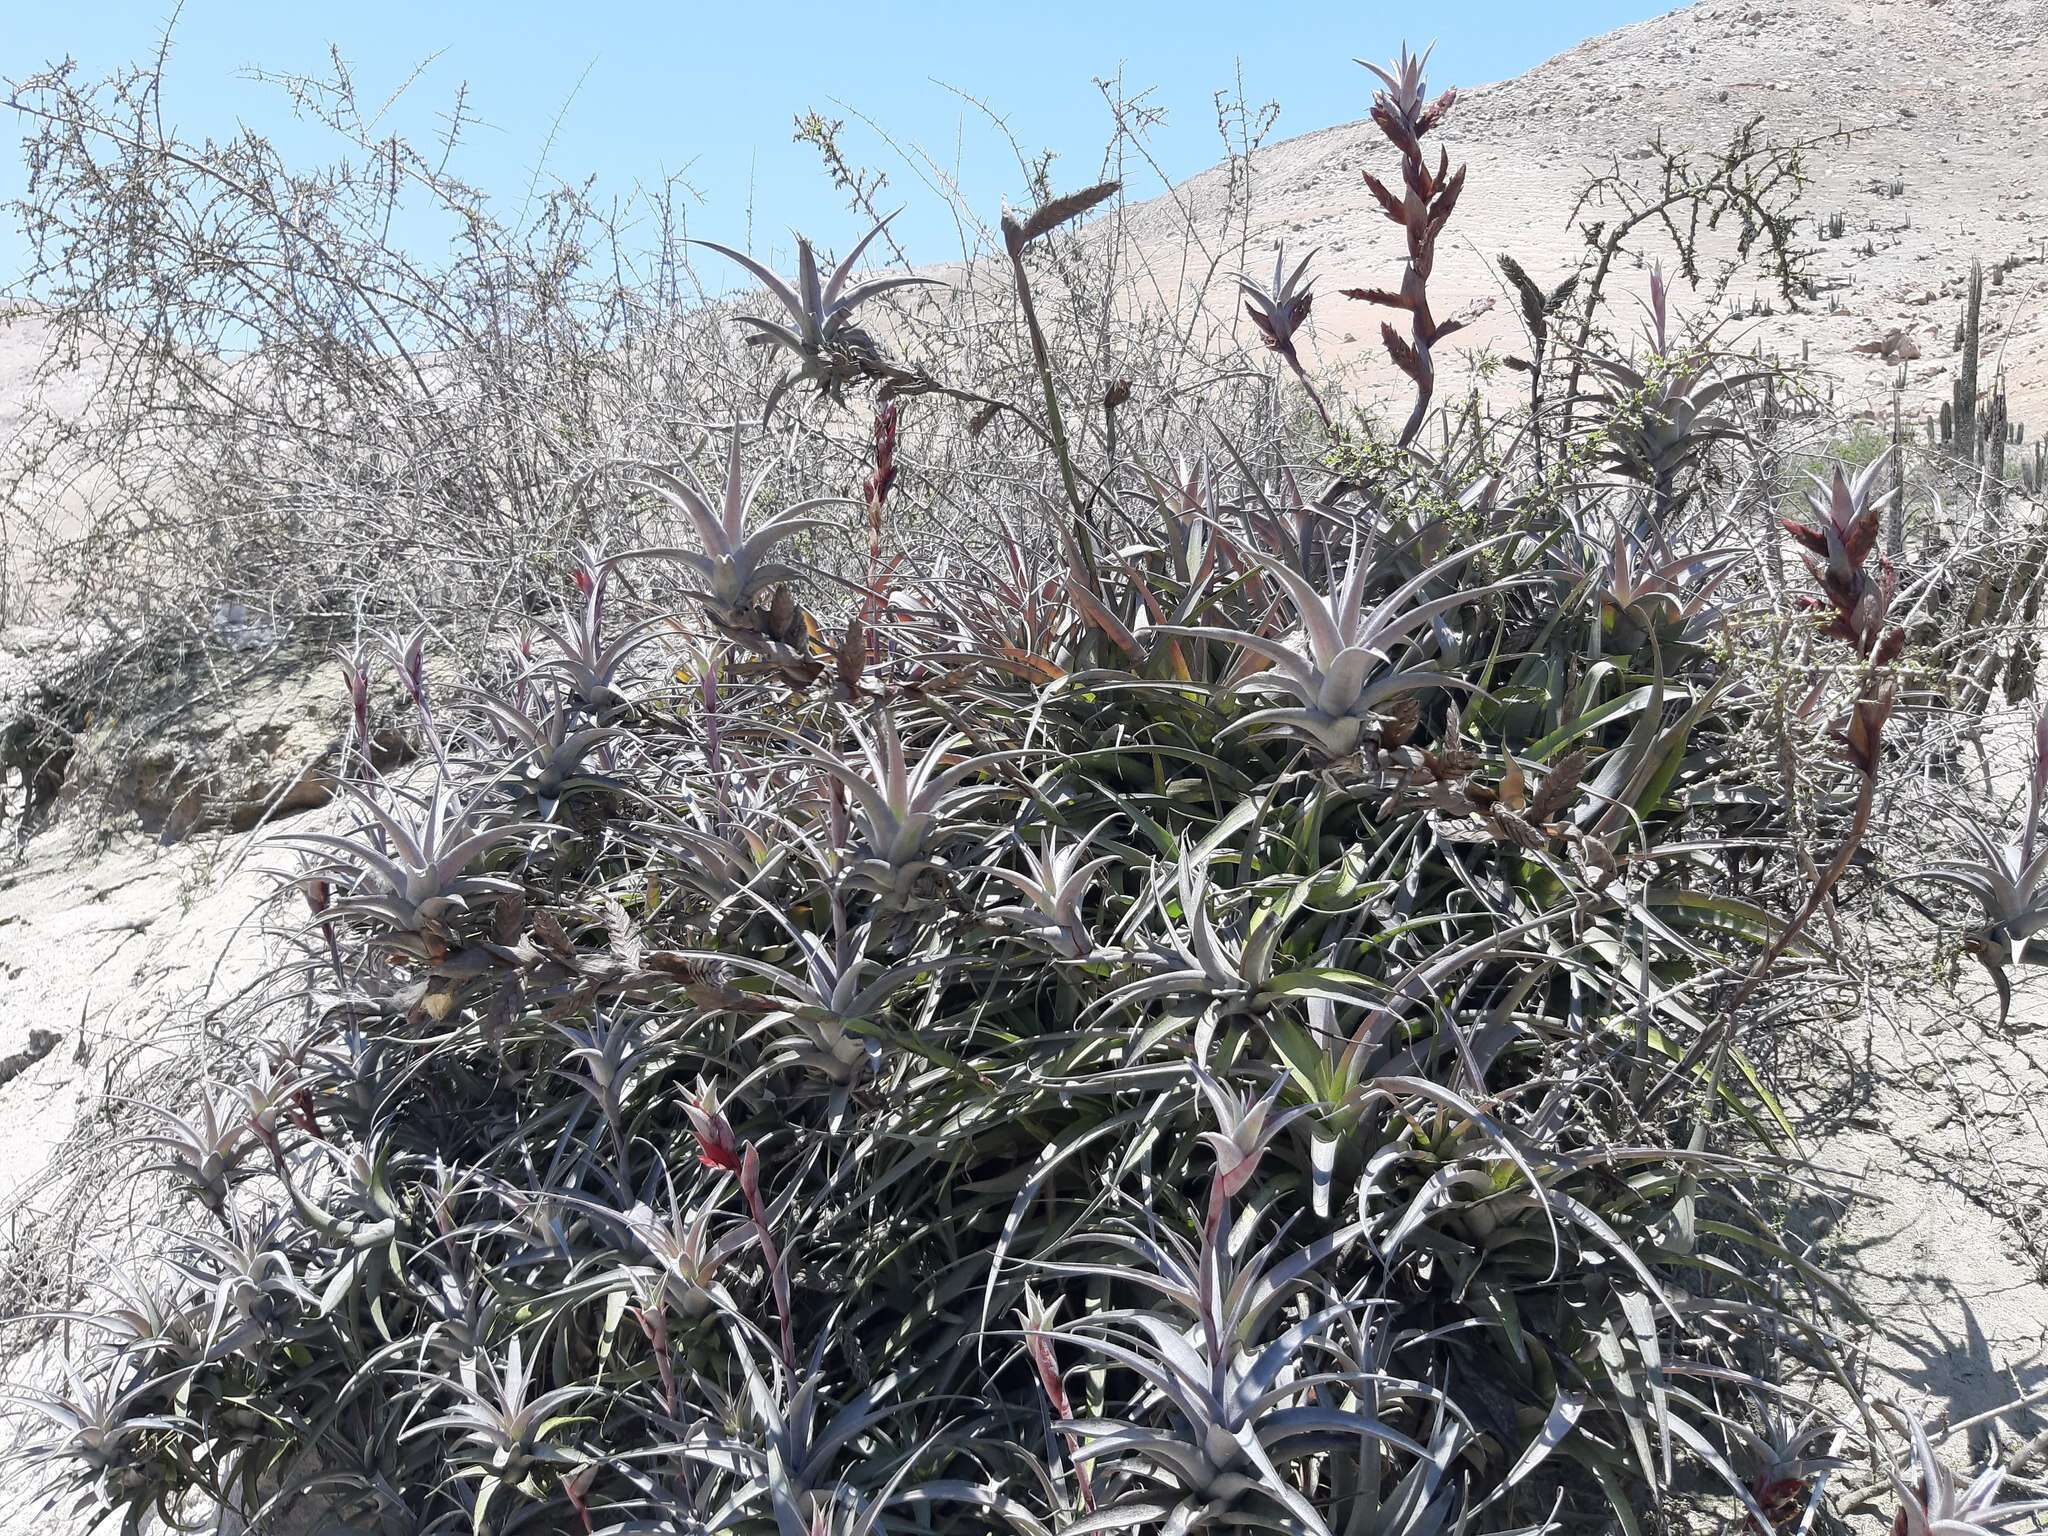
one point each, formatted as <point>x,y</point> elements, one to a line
<point>646,90</point>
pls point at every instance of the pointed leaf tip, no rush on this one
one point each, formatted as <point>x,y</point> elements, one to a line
<point>1060,210</point>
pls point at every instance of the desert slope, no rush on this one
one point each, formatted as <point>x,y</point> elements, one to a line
<point>1944,96</point>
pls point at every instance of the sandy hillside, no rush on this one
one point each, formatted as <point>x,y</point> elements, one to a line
<point>1943,96</point>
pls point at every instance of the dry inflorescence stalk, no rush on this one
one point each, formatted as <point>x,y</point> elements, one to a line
<point>1403,112</point>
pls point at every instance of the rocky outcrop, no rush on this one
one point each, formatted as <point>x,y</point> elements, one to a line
<point>269,748</point>
<point>227,747</point>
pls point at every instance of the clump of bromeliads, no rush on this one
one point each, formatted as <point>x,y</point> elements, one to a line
<point>1221,1014</point>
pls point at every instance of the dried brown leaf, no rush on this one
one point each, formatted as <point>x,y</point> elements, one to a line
<point>1558,789</point>
<point>1403,354</point>
<point>1052,215</point>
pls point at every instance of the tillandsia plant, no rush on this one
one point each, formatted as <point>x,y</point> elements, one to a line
<point>2008,879</point>
<point>1235,934</point>
<point>1836,542</point>
<point>1352,660</point>
<point>1644,589</point>
<point>1280,311</point>
<point>818,331</point>
<point>1791,1452</point>
<point>1661,416</point>
<point>1933,1501</point>
<point>733,562</point>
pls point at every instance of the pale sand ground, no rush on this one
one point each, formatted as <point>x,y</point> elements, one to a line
<point>125,956</point>
<point>1932,1118</point>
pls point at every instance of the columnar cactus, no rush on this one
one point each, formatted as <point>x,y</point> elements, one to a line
<point>1964,417</point>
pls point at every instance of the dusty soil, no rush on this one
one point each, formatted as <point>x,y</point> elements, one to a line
<point>1928,1121</point>
<point>119,970</point>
